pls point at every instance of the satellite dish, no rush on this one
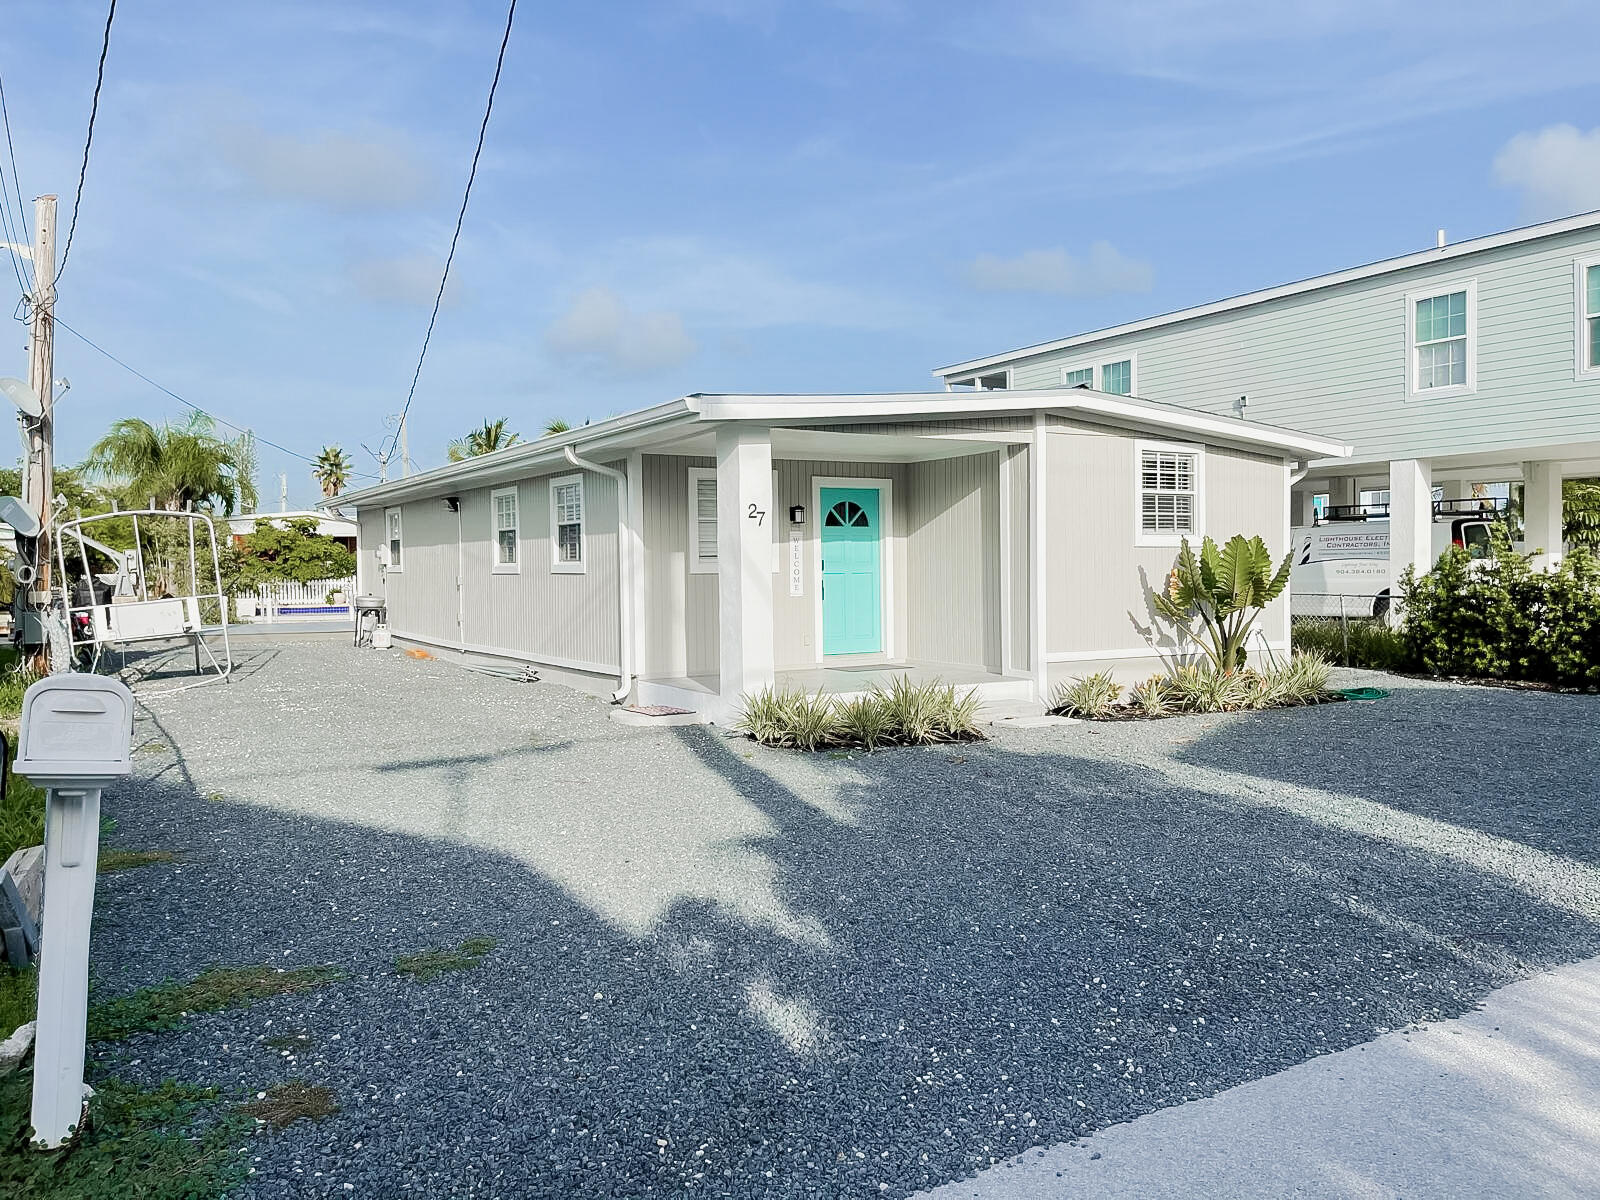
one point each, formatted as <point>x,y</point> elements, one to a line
<point>19,516</point>
<point>23,396</point>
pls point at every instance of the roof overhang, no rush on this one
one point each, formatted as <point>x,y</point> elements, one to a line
<point>1404,262</point>
<point>684,426</point>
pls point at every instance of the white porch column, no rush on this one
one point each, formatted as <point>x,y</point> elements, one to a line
<point>1541,512</point>
<point>744,562</point>
<point>1342,490</point>
<point>1410,518</point>
<point>1454,489</point>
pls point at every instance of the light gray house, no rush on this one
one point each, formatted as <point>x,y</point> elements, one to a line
<point>1470,363</point>
<point>708,547</point>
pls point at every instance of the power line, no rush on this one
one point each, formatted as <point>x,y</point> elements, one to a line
<point>60,324</point>
<point>83,170</point>
<point>461,216</point>
<point>20,264</point>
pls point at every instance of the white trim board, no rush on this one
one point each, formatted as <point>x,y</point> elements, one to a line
<point>887,552</point>
<point>1063,656</point>
<point>547,660</point>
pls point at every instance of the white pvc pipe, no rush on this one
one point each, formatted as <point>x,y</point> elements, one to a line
<point>624,575</point>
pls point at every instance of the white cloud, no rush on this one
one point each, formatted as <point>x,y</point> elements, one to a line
<point>601,324</point>
<point>372,173</point>
<point>1105,270</point>
<point>411,279</point>
<point>1557,170</point>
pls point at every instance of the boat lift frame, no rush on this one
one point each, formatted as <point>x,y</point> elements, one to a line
<point>163,618</point>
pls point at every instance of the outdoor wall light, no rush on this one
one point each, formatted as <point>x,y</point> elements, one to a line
<point>452,504</point>
<point>797,514</point>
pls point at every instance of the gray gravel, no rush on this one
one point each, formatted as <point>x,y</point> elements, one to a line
<point>734,972</point>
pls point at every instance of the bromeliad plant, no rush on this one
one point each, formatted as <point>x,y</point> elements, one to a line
<point>1215,597</point>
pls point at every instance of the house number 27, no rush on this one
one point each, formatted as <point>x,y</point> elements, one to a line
<point>758,515</point>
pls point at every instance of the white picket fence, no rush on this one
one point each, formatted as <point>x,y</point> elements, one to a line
<point>284,601</point>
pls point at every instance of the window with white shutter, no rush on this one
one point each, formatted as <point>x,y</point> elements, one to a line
<point>1169,500</point>
<point>702,520</point>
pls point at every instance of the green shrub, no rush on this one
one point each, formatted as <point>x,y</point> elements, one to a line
<point>1200,687</point>
<point>1092,696</point>
<point>1498,618</point>
<point>905,714</point>
<point>1301,680</point>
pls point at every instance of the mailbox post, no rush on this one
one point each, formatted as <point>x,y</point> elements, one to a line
<point>77,736</point>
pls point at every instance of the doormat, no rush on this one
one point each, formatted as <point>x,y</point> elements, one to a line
<point>659,710</point>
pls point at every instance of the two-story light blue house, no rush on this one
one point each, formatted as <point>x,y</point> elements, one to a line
<point>1477,362</point>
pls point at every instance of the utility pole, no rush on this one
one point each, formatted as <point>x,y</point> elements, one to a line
<point>41,377</point>
<point>405,449</point>
<point>283,491</point>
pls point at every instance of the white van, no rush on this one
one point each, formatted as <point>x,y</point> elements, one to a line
<point>1347,555</point>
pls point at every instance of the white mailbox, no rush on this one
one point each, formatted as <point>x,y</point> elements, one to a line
<point>76,729</point>
<point>76,736</point>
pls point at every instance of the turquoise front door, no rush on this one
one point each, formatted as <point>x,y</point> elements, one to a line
<point>852,571</point>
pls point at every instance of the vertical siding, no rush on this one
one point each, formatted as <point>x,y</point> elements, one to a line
<point>953,555</point>
<point>1334,361</point>
<point>369,536</point>
<point>536,613</point>
<point>680,619</point>
<point>1097,578</point>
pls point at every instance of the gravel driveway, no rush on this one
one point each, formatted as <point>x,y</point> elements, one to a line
<point>726,971</point>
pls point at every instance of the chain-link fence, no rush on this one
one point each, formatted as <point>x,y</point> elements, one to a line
<point>1347,630</point>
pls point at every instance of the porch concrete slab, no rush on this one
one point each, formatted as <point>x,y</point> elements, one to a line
<point>1504,1101</point>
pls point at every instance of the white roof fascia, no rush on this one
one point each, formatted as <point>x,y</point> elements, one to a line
<point>1420,258</point>
<point>531,454</point>
<point>913,405</point>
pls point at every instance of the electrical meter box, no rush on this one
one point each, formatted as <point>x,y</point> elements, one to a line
<point>76,729</point>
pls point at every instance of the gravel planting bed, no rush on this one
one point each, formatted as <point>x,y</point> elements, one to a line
<point>727,971</point>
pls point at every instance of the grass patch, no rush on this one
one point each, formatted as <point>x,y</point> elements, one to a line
<point>21,816</point>
<point>425,964</point>
<point>283,1104</point>
<point>172,1142</point>
<point>14,680</point>
<point>1368,643</point>
<point>167,1004</point>
<point>19,998</point>
<point>903,714</point>
<point>112,859</point>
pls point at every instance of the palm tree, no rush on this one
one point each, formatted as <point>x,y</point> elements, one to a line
<point>486,439</point>
<point>176,465</point>
<point>556,425</point>
<point>331,470</point>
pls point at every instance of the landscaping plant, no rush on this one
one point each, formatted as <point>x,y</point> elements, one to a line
<point>904,714</point>
<point>1092,696</point>
<point>1215,597</point>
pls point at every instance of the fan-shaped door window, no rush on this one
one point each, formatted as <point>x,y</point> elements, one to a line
<point>846,513</point>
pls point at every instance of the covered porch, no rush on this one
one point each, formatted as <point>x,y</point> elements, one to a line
<point>836,558</point>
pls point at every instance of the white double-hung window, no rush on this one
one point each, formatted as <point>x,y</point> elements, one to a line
<point>503,511</point>
<point>1443,339</point>
<point>1589,316</point>
<point>702,520</point>
<point>391,521</point>
<point>566,523</point>
<point>1118,377</point>
<point>1168,492</point>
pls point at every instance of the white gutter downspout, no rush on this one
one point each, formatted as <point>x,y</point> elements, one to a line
<point>624,582</point>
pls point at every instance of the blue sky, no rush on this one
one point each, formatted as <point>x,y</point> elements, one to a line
<point>717,195</point>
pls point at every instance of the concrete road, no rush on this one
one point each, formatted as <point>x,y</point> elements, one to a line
<point>1504,1102</point>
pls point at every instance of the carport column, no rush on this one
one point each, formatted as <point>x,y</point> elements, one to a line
<point>1299,508</point>
<point>1541,512</point>
<point>1342,490</point>
<point>1410,518</point>
<point>744,562</point>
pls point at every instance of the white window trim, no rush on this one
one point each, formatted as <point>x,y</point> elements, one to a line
<point>1143,537</point>
<point>1098,366</point>
<point>1413,375</point>
<point>394,567</point>
<point>698,565</point>
<point>496,566</point>
<point>580,567</point>
<point>1580,356</point>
